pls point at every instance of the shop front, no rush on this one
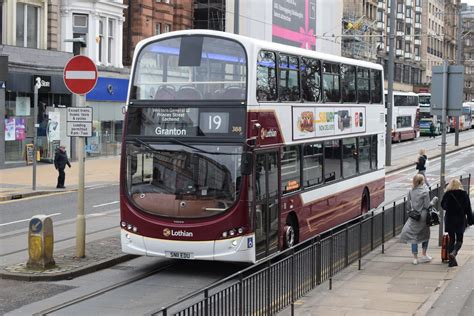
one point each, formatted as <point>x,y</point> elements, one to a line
<point>19,120</point>
<point>107,100</point>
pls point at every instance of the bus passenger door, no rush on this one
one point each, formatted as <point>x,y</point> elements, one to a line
<point>266,203</point>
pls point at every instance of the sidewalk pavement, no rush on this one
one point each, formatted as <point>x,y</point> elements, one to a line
<point>388,284</point>
<point>17,183</point>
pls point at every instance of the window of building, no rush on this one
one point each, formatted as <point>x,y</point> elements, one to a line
<point>289,78</point>
<point>101,41</point>
<point>1,21</point>
<point>311,79</point>
<point>158,29</point>
<point>290,169</point>
<point>331,89</point>
<point>167,28</point>
<point>350,156</point>
<point>312,164</point>
<point>110,40</point>
<point>332,160</point>
<point>266,76</point>
<point>27,25</point>
<point>348,83</point>
<point>363,90</point>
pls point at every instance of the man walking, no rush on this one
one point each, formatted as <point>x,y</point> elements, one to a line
<point>432,130</point>
<point>60,162</point>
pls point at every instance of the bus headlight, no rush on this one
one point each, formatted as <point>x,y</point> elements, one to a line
<point>233,232</point>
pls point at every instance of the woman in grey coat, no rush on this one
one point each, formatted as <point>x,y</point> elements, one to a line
<point>417,231</point>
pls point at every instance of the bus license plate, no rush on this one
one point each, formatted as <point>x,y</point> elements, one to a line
<point>179,255</point>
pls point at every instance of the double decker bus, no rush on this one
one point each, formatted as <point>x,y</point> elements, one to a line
<point>236,148</point>
<point>465,119</point>
<point>426,118</point>
<point>405,115</point>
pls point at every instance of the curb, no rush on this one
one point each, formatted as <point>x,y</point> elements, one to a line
<point>41,276</point>
<point>17,196</point>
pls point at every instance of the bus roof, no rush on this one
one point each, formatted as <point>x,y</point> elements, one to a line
<point>257,44</point>
<point>402,93</point>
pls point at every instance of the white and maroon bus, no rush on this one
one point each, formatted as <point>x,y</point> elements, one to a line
<point>405,114</point>
<point>236,148</point>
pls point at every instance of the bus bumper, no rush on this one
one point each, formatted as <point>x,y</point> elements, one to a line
<point>239,249</point>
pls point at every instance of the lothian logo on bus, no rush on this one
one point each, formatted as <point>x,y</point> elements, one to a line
<point>178,233</point>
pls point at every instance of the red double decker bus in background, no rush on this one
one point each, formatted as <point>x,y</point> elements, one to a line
<point>236,148</point>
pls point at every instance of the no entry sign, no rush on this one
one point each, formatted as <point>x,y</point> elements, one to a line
<point>80,74</point>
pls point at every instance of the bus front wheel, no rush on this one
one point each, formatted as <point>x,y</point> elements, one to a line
<point>365,203</point>
<point>290,232</point>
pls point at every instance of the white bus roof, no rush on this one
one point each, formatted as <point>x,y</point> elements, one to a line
<point>260,44</point>
<point>401,93</point>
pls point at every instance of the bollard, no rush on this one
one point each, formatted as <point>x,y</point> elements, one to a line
<point>40,243</point>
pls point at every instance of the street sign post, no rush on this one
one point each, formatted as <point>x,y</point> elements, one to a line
<point>80,77</point>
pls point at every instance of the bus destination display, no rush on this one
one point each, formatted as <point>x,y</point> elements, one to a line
<point>185,122</point>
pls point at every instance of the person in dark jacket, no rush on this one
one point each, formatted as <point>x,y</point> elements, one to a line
<point>421,164</point>
<point>432,130</point>
<point>60,162</point>
<point>458,215</point>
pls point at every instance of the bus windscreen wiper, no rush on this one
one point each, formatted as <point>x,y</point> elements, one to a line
<point>145,144</point>
<point>202,151</point>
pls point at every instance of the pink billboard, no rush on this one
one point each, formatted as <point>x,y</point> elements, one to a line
<point>294,23</point>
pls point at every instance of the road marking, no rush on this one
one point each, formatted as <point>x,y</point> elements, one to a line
<point>104,204</point>
<point>26,220</point>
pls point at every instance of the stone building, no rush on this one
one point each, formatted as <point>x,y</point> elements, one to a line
<point>145,18</point>
<point>467,56</point>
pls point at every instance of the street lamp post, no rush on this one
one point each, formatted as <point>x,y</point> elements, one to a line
<point>391,61</point>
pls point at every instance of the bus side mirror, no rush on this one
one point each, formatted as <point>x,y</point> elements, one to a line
<point>246,164</point>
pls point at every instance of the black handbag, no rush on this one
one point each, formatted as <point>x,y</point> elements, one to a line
<point>432,218</point>
<point>414,214</point>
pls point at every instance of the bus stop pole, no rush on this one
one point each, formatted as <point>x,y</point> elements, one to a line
<point>442,180</point>
<point>80,218</point>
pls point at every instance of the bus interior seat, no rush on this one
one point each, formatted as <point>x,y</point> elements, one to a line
<point>233,93</point>
<point>165,92</point>
<point>188,93</point>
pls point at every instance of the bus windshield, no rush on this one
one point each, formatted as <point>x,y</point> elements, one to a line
<point>181,181</point>
<point>192,67</point>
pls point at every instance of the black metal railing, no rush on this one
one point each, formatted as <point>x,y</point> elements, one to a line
<point>277,282</point>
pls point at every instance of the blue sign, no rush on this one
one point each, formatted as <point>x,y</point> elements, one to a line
<point>250,242</point>
<point>36,225</point>
<point>109,89</point>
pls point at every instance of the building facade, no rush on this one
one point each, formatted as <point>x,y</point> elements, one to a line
<point>100,24</point>
<point>467,55</point>
<point>366,28</point>
<point>31,54</point>
<point>145,18</point>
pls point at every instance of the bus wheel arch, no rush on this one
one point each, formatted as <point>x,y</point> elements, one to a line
<point>365,201</point>
<point>291,231</point>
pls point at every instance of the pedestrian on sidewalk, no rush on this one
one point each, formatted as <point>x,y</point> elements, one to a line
<point>458,216</point>
<point>60,162</point>
<point>432,130</point>
<point>421,164</point>
<point>416,231</point>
